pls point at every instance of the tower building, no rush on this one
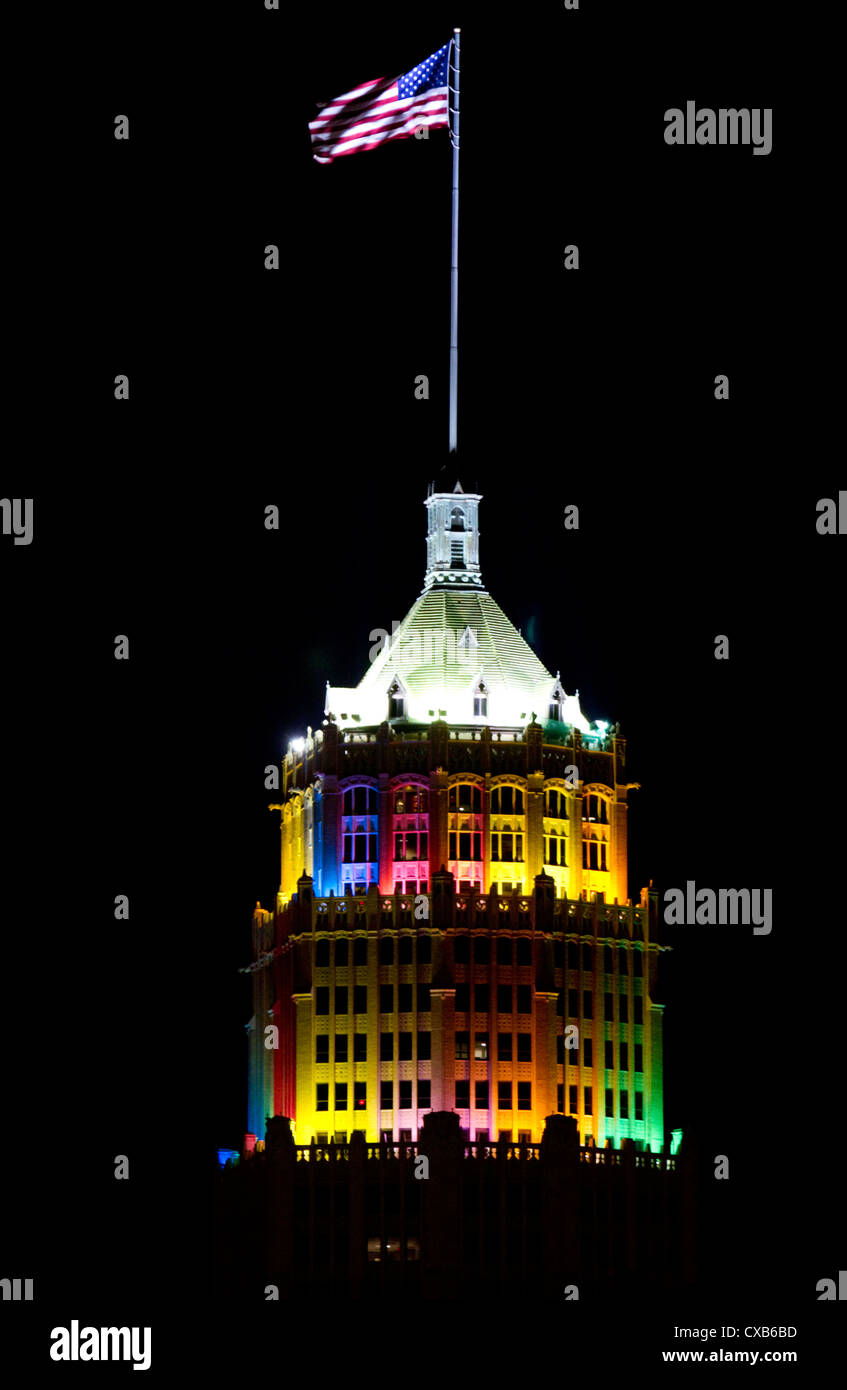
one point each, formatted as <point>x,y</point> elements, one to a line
<point>453,929</point>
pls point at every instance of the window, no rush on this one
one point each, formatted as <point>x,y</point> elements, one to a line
<point>608,1005</point>
<point>322,1047</point>
<point>558,954</point>
<point>396,701</point>
<point>410,800</point>
<point>524,951</point>
<point>404,999</point>
<point>386,999</point>
<point>560,1047</point>
<point>610,1103</point>
<point>341,999</point>
<point>504,999</point>
<point>573,1105</point>
<point>424,1093</point>
<point>524,1047</point>
<point>624,1103</point>
<point>405,1101</point>
<point>506,848</point>
<point>573,1003</point>
<point>424,1047</point>
<point>554,710</point>
<point>424,999</point>
<point>481,1095</point>
<point>504,1047</point>
<point>411,845</point>
<point>386,1047</point>
<point>504,1095</point>
<point>560,1098</point>
<point>524,1095</point>
<point>341,1047</point>
<point>624,1056</point>
<point>587,1004</point>
<point>360,999</point>
<point>463,1095</point>
<point>463,998</point>
<point>322,1096</point>
<point>624,1002</point>
<point>464,796</point>
<point>507,801</point>
<point>360,951</point>
<point>360,1095</point>
<point>424,950</point>
<point>359,848</point>
<point>587,1101</point>
<point>524,999</point>
<point>386,950</point>
<point>639,1105</point>
<point>623,960</point>
<point>461,949</point>
<point>587,1052</point>
<point>572,956</point>
<point>465,845</point>
<point>341,1095</point>
<point>405,954</point>
<point>639,1016</point>
<point>404,1052</point>
<point>322,952</point>
<point>481,950</point>
<point>639,1055</point>
<point>610,1054</point>
<point>608,960</point>
<point>360,1047</point>
<point>463,1045</point>
<point>386,1095</point>
<point>480,1050</point>
<point>322,999</point>
<point>504,951</point>
<point>359,801</point>
<point>637,963</point>
<point>480,999</point>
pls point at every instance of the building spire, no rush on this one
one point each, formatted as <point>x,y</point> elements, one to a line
<point>452,542</point>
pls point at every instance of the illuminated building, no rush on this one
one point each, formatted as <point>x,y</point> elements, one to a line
<point>453,930</point>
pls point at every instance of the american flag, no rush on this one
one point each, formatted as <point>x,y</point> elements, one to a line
<point>389,108</point>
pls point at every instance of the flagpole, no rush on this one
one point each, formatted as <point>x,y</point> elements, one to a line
<point>454,259</point>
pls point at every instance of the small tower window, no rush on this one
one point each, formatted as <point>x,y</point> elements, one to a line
<point>396,702</point>
<point>457,519</point>
<point>480,701</point>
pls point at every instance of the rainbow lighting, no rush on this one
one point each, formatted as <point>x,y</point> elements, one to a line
<point>453,929</point>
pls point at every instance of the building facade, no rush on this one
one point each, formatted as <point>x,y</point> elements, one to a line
<point>453,930</point>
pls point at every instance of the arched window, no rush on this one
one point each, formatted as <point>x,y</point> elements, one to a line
<point>464,796</point>
<point>457,519</point>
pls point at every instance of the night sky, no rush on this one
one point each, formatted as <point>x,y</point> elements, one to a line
<point>594,387</point>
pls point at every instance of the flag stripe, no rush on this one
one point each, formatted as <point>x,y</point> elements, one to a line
<point>383,109</point>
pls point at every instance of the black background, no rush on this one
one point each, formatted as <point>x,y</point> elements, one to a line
<point>594,387</point>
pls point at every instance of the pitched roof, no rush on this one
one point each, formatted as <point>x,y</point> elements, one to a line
<point>446,644</point>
